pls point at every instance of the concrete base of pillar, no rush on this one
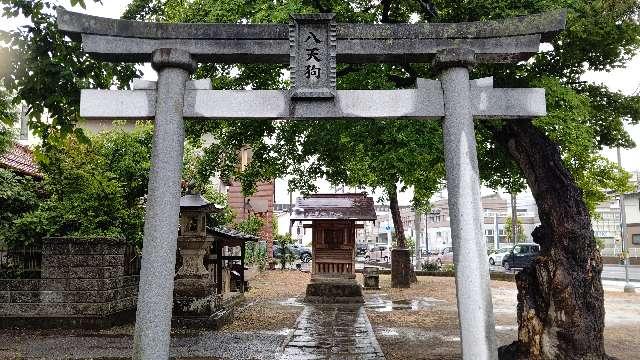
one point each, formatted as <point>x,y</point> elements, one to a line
<point>334,291</point>
<point>401,269</point>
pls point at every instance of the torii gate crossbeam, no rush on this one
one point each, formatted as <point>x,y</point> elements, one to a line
<point>312,44</point>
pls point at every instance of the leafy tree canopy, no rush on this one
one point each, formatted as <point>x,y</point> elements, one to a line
<point>94,189</point>
<point>601,35</point>
<point>45,70</point>
<point>583,118</point>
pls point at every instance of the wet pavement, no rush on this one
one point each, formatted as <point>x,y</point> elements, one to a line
<point>87,345</point>
<point>333,332</point>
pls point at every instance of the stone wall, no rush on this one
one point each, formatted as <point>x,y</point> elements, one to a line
<point>83,284</point>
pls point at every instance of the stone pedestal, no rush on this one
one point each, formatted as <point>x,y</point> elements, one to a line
<point>400,268</point>
<point>371,278</point>
<point>193,296</point>
<point>334,291</point>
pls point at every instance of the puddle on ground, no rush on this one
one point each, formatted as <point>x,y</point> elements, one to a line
<point>506,328</point>
<point>377,303</point>
<point>293,301</point>
<point>282,332</point>
<point>416,334</point>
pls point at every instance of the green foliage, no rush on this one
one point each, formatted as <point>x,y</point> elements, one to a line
<point>251,225</point>
<point>8,117</point>
<point>600,243</point>
<point>46,70</point>
<point>508,230</point>
<point>601,35</point>
<point>7,138</point>
<point>94,189</point>
<point>410,243</point>
<point>256,254</point>
<point>430,266</point>
<point>225,216</point>
<point>18,195</point>
<point>448,268</point>
<point>283,241</point>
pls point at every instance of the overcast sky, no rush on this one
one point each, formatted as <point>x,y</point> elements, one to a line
<point>626,80</point>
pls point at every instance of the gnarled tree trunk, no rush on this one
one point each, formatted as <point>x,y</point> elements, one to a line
<point>560,296</point>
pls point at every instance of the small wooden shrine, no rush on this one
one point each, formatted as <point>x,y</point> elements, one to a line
<point>332,218</point>
<point>228,258</point>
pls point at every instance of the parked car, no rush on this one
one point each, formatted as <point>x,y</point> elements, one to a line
<point>302,253</point>
<point>362,249</point>
<point>496,256</point>
<point>520,256</point>
<point>380,253</point>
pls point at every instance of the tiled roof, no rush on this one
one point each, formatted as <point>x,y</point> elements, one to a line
<point>231,233</point>
<point>335,207</point>
<point>20,159</point>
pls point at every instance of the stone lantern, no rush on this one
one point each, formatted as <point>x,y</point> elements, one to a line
<point>193,284</point>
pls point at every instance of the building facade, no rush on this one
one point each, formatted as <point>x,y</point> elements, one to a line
<point>495,210</point>
<point>632,216</point>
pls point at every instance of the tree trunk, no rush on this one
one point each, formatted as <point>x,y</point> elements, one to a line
<point>560,296</point>
<point>401,241</point>
<point>402,274</point>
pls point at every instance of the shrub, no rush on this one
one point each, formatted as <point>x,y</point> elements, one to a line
<point>430,266</point>
<point>19,195</point>
<point>92,189</point>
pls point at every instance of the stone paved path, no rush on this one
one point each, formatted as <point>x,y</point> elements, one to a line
<point>333,332</point>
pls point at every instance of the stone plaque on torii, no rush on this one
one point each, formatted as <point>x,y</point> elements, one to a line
<point>312,45</point>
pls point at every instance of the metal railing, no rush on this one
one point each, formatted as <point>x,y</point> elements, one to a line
<point>617,251</point>
<point>21,262</point>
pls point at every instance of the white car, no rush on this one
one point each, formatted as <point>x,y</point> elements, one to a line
<point>496,256</point>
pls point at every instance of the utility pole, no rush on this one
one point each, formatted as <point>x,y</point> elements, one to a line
<point>496,239</point>
<point>628,288</point>
<point>291,213</point>
<point>514,219</point>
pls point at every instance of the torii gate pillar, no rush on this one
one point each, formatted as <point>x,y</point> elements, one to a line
<point>155,296</point>
<point>475,308</point>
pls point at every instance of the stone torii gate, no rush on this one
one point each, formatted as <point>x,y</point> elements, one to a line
<point>312,45</point>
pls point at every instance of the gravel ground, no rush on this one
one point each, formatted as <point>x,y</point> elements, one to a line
<point>258,332</point>
<point>273,303</point>
<point>422,323</point>
<point>416,323</point>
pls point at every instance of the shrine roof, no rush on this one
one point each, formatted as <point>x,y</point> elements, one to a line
<point>20,159</point>
<point>357,207</point>
<point>231,234</point>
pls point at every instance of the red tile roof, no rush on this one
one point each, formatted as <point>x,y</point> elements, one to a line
<point>20,159</point>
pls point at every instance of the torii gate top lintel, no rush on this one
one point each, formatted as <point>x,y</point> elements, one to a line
<point>507,40</point>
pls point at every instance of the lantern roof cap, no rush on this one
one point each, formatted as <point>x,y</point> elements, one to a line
<point>197,202</point>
